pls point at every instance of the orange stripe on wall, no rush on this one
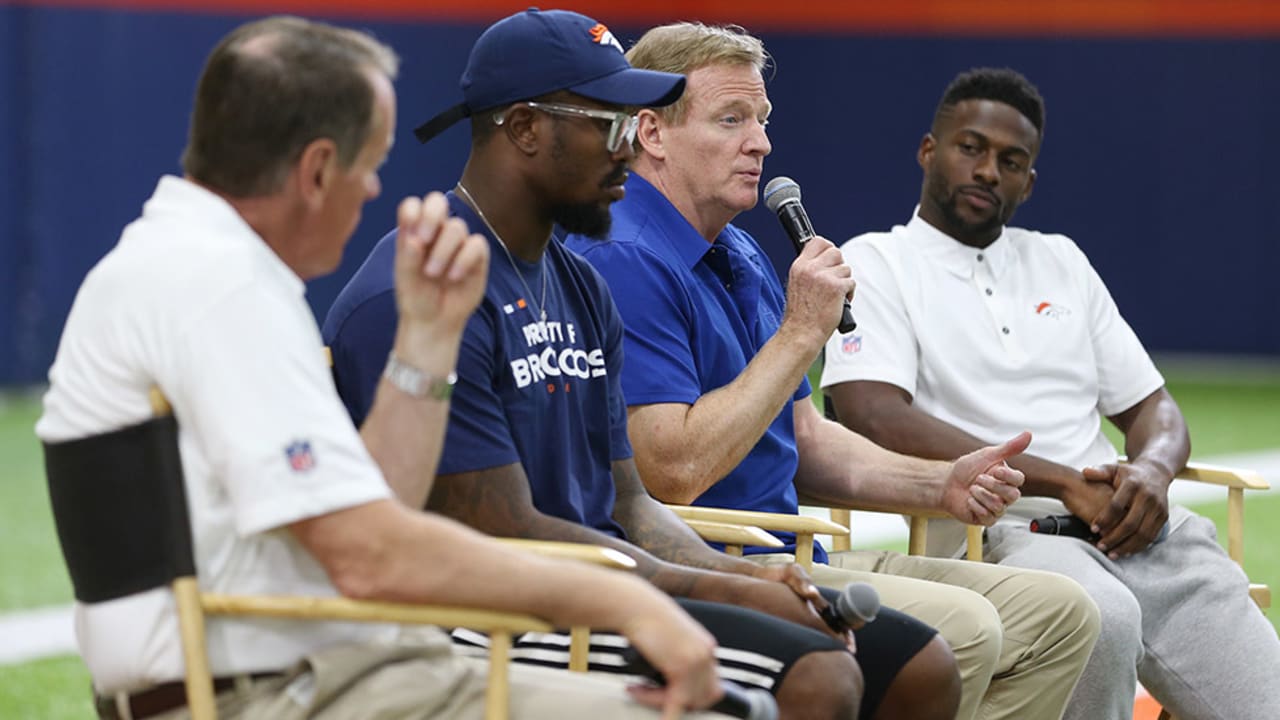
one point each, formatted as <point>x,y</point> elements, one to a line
<point>968,17</point>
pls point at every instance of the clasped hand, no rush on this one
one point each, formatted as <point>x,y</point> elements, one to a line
<point>1136,511</point>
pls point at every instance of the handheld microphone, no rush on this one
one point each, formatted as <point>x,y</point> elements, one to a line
<point>748,704</point>
<point>1068,525</point>
<point>1072,526</point>
<point>857,605</point>
<point>782,196</point>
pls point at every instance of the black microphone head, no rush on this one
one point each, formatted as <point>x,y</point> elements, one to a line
<point>858,601</point>
<point>780,191</point>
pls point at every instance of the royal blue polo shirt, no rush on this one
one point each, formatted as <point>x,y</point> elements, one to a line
<point>695,313</point>
<point>546,395</point>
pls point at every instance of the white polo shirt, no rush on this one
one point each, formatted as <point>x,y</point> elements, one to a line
<point>193,300</point>
<point>1020,335</point>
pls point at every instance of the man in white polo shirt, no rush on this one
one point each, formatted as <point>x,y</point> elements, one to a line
<point>969,330</point>
<point>203,297</point>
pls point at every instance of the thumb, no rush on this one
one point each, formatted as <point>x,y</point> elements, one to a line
<point>1013,446</point>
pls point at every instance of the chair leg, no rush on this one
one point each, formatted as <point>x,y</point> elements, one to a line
<point>804,550</point>
<point>198,679</point>
<point>497,695</point>
<point>918,538</point>
<point>973,537</point>
<point>579,647</point>
<point>841,543</point>
<point>1235,525</point>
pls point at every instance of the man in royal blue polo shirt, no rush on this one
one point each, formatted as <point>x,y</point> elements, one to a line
<point>719,405</point>
<point>536,444</point>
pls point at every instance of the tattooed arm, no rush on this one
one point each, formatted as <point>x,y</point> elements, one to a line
<point>497,501</point>
<point>653,527</point>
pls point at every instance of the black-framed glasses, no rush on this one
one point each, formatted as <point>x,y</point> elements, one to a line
<point>622,127</point>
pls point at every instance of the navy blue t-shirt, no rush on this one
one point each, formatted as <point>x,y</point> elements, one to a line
<point>696,313</point>
<point>546,395</point>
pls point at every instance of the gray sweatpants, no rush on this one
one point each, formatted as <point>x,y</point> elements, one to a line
<point>1176,616</point>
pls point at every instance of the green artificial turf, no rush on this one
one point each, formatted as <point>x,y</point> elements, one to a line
<point>51,689</point>
<point>31,569</point>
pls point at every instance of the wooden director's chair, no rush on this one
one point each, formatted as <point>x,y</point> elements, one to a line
<point>579,637</point>
<point>120,506</point>
<point>1235,480</point>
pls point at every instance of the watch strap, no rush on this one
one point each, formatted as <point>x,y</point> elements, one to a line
<point>417,383</point>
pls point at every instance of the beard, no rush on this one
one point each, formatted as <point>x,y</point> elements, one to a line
<point>948,200</point>
<point>589,219</point>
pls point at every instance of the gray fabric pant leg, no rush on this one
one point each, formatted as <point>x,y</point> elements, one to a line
<point>1177,616</point>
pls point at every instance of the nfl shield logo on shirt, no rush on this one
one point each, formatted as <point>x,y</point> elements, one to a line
<point>300,456</point>
<point>850,344</point>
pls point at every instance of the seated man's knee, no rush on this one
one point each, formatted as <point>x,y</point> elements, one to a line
<point>927,687</point>
<point>1120,625</point>
<point>821,685</point>
<point>1077,619</point>
<point>974,632</point>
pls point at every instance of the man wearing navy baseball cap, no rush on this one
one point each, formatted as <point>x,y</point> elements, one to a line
<point>538,52</point>
<point>536,444</point>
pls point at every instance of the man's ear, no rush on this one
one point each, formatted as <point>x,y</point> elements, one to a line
<point>520,125</point>
<point>317,169</point>
<point>928,145</point>
<point>1031,183</point>
<point>649,134</point>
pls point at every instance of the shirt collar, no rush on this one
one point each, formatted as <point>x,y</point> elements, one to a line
<point>676,231</point>
<point>181,196</point>
<point>954,255</point>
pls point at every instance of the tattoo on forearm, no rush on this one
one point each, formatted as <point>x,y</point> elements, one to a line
<point>498,502</point>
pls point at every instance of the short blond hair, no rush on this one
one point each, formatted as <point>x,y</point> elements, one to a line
<point>687,46</point>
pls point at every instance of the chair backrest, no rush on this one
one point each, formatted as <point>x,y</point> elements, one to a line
<point>120,507</point>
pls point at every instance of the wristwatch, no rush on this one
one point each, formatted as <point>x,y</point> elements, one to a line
<point>412,381</point>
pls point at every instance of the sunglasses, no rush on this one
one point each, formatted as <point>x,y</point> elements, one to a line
<point>622,127</point>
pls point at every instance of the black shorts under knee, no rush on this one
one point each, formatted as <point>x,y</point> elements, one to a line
<point>756,649</point>
<point>884,647</point>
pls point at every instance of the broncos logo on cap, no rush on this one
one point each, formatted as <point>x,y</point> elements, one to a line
<point>601,35</point>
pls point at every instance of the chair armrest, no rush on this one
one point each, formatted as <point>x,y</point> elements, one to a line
<point>1218,475</point>
<point>579,635</point>
<point>340,608</point>
<point>918,522</point>
<point>781,522</point>
<point>803,526</point>
<point>1225,476</point>
<point>594,554</point>
<point>731,534</point>
<point>873,507</point>
<point>499,625</point>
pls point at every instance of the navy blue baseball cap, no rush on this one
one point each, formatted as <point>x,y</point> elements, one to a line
<point>541,51</point>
